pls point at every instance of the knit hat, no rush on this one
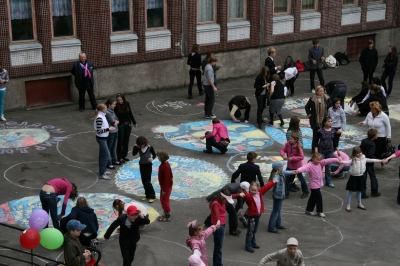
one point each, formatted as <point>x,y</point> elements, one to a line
<point>292,242</point>
<point>276,165</point>
<point>245,185</point>
<point>194,260</point>
<point>132,210</point>
<point>75,225</point>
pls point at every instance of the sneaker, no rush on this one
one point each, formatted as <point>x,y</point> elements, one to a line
<point>310,213</point>
<point>360,206</point>
<point>107,173</point>
<point>321,214</point>
<point>152,200</point>
<point>208,116</point>
<point>312,91</point>
<point>250,250</point>
<point>234,232</point>
<point>256,246</point>
<point>116,163</point>
<point>213,116</point>
<point>246,121</point>
<point>2,118</point>
<point>106,177</point>
<point>244,222</point>
<point>110,166</point>
<point>377,194</point>
<point>144,199</point>
<point>330,185</point>
<point>365,197</point>
<point>305,195</point>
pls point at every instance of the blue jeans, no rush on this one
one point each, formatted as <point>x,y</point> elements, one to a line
<point>384,76</point>
<point>252,227</point>
<point>339,93</point>
<point>335,166</point>
<point>211,142</point>
<point>275,218</point>
<point>104,155</point>
<point>111,144</point>
<point>2,96</point>
<point>49,204</point>
<point>218,241</point>
<point>328,179</point>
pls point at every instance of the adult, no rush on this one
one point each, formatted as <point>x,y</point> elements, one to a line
<point>361,95</point>
<point>83,73</point>
<point>48,197</point>
<point>261,85</point>
<point>269,61</point>
<point>276,96</point>
<point>378,120</point>
<point>376,95</point>
<point>126,120</point>
<point>236,104</point>
<point>316,109</point>
<point>112,138</point>
<point>218,138</point>
<point>3,80</point>
<point>85,215</point>
<point>209,87</point>
<point>316,57</point>
<point>194,61</point>
<point>336,89</point>
<point>214,67</point>
<point>368,60</point>
<point>390,66</point>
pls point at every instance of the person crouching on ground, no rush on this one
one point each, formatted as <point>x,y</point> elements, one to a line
<point>236,104</point>
<point>289,256</point>
<point>218,138</point>
<point>74,254</point>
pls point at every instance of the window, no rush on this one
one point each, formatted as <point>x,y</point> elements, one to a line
<point>63,18</point>
<point>206,11</point>
<point>22,20</point>
<point>349,2</point>
<point>156,14</point>
<point>308,5</point>
<point>237,9</point>
<point>120,15</point>
<point>374,1</point>
<point>281,6</point>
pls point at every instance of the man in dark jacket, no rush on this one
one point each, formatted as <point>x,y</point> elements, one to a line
<point>269,62</point>
<point>316,57</point>
<point>336,89</point>
<point>83,73</point>
<point>248,171</point>
<point>368,149</point>
<point>74,254</point>
<point>369,60</point>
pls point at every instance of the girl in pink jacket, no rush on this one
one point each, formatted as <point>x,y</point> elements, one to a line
<point>197,239</point>
<point>293,153</point>
<point>314,170</point>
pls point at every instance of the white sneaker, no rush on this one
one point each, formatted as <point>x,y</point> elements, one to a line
<point>2,118</point>
<point>312,91</point>
<point>310,213</point>
<point>107,173</point>
<point>321,214</point>
<point>106,177</point>
<point>213,116</point>
<point>246,121</point>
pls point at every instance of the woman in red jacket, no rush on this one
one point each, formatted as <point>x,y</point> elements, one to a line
<point>165,179</point>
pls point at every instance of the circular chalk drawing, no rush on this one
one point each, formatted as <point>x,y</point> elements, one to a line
<point>192,178</point>
<point>18,211</point>
<point>394,111</point>
<point>175,107</point>
<point>244,137</point>
<point>297,106</point>
<point>351,137</point>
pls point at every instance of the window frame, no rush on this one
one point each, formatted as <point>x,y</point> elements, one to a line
<point>73,36</point>
<point>375,2</point>
<point>310,10</point>
<point>214,21</point>
<point>350,5</point>
<point>131,25</point>
<point>165,18</point>
<point>8,3</point>
<point>244,12</point>
<point>288,12</point>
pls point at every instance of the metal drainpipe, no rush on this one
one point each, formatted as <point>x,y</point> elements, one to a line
<point>396,11</point>
<point>262,10</point>
<point>183,41</point>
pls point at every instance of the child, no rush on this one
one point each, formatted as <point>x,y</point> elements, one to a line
<point>74,254</point>
<point>147,155</point>
<point>314,170</point>
<point>293,153</point>
<point>121,207</point>
<point>112,138</point>
<point>102,130</point>
<point>276,98</point>
<point>290,255</point>
<point>165,180</point>
<point>129,224</point>
<point>294,127</point>
<point>197,239</point>
<point>338,120</point>
<point>278,195</point>
<point>194,61</point>
<point>326,147</point>
<point>368,148</point>
<point>342,169</point>
<point>355,182</point>
<point>248,171</point>
<point>255,202</point>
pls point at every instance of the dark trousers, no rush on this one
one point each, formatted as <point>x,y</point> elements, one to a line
<point>370,170</point>
<point>209,100</point>
<point>380,146</point>
<point>336,139</point>
<point>145,174</point>
<point>314,138</point>
<point>320,77</point>
<point>398,191</point>
<point>290,84</point>
<point>49,204</point>
<point>368,76</point>
<point>82,93</point>
<point>233,218</point>
<point>192,74</point>
<point>238,113</point>
<point>384,76</point>
<point>211,142</point>
<point>315,199</point>
<point>124,133</point>
<point>290,179</point>
<point>261,100</point>
<point>128,253</point>
<point>339,93</point>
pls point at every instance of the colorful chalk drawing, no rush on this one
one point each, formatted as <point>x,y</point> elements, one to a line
<point>351,137</point>
<point>19,137</point>
<point>18,211</point>
<point>394,111</point>
<point>192,178</point>
<point>244,137</point>
<point>175,107</point>
<point>297,106</point>
<point>264,160</point>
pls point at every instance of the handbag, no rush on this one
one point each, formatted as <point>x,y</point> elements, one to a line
<point>300,66</point>
<point>390,149</point>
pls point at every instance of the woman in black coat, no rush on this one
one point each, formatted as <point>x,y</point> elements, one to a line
<point>194,61</point>
<point>369,61</point>
<point>390,66</point>
<point>261,85</point>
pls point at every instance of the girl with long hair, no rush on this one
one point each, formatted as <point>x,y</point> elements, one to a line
<point>390,66</point>
<point>3,80</point>
<point>194,61</point>
<point>261,85</point>
<point>112,138</point>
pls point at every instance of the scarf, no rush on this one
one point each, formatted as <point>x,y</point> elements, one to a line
<point>320,108</point>
<point>87,72</point>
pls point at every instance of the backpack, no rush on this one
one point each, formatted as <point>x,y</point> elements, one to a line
<point>331,62</point>
<point>342,58</point>
<point>288,63</point>
<point>300,66</point>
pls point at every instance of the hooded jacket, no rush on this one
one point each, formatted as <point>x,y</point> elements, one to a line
<point>86,216</point>
<point>199,242</point>
<point>73,251</point>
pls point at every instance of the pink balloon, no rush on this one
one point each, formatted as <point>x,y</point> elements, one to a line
<point>38,220</point>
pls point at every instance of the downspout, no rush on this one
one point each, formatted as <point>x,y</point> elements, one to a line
<point>183,41</point>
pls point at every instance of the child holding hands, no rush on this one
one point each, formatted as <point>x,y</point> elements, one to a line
<point>165,180</point>
<point>197,239</point>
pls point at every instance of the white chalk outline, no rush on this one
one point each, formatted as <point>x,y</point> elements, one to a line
<point>67,156</point>
<point>159,112</point>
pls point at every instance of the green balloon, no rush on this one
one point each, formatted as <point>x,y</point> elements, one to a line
<point>51,238</point>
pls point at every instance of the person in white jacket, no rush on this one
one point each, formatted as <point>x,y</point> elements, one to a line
<point>380,121</point>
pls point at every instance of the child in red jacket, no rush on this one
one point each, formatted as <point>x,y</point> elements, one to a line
<point>165,179</point>
<point>255,201</point>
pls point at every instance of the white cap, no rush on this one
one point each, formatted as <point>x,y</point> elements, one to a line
<point>245,185</point>
<point>228,198</point>
<point>292,242</point>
